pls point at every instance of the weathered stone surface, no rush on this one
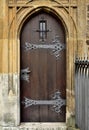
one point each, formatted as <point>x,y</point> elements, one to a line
<point>9,101</point>
<point>38,126</point>
<point>73,15</point>
<point>71,128</point>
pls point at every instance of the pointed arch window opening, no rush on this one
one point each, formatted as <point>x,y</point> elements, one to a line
<point>42,29</point>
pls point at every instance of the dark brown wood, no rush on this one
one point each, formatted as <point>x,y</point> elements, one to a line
<point>47,74</point>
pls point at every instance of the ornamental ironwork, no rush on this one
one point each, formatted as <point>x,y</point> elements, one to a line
<point>56,47</point>
<point>25,74</point>
<point>56,103</point>
<point>82,62</point>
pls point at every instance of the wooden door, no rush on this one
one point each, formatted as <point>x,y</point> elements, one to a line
<point>43,69</point>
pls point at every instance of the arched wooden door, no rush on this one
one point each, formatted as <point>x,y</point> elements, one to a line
<point>43,69</point>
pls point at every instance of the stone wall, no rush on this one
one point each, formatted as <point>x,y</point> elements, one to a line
<point>73,14</point>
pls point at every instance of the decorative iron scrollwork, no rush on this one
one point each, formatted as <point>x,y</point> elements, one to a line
<point>25,74</point>
<point>82,62</point>
<point>57,102</point>
<point>56,47</point>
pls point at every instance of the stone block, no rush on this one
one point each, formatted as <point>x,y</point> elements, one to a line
<point>71,128</point>
<point>71,121</point>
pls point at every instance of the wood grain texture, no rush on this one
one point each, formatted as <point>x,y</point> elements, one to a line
<point>47,74</point>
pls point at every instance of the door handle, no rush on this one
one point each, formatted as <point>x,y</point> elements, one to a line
<point>25,74</point>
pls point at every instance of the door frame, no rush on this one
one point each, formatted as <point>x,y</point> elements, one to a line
<point>62,60</point>
<point>14,91</point>
<point>65,24</point>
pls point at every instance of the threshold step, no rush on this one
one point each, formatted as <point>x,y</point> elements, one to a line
<point>38,126</point>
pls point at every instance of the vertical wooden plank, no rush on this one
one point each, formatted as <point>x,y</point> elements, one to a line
<point>34,63</point>
<point>43,94</point>
<point>61,83</point>
<point>51,83</point>
<point>46,75</point>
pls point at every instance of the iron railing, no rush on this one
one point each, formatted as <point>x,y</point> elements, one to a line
<point>82,92</point>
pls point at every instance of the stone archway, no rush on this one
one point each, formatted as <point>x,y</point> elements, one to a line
<point>14,46</point>
<point>43,44</point>
<point>46,9</point>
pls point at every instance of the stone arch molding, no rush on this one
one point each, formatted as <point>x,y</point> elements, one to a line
<point>20,16</point>
<point>64,16</point>
<point>25,13</point>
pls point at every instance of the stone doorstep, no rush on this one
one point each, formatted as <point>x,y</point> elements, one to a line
<point>71,128</point>
<point>38,126</point>
<point>26,128</point>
